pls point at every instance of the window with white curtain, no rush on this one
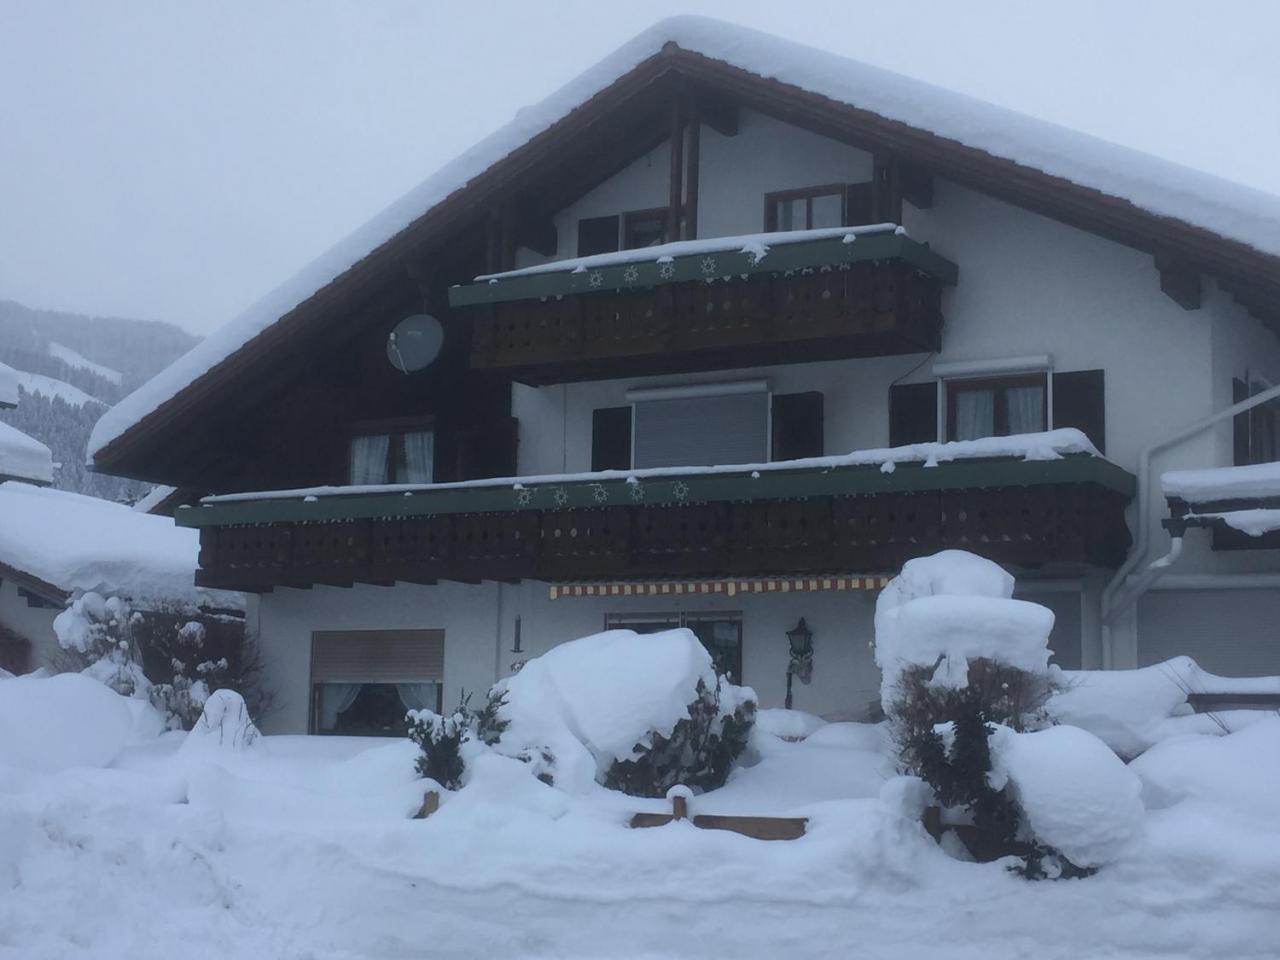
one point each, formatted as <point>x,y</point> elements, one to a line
<point>395,456</point>
<point>997,406</point>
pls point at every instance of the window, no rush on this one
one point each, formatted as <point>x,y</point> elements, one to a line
<point>393,452</point>
<point>597,235</point>
<point>363,682</point>
<point>996,407</point>
<point>644,228</point>
<point>808,209</point>
<point>720,633</point>
<point>1257,431</point>
<point>703,425</point>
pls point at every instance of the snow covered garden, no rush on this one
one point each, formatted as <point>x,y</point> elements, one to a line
<point>121,839</point>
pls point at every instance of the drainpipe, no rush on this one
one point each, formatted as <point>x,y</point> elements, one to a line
<point>1111,607</point>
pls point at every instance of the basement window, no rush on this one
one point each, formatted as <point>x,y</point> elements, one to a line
<point>363,682</point>
<point>392,452</point>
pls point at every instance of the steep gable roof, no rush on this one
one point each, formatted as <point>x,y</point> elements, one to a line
<point>1131,195</point>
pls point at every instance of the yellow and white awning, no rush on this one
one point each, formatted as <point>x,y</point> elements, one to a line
<point>727,588</point>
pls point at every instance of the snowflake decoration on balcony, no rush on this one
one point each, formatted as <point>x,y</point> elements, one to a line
<point>680,490</point>
<point>561,496</point>
<point>637,491</point>
<point>667,270</point>
<point>599,493</point>
<point>595,278</point>
<point>524,497</point>
<point>708,265</point>
<point>631,274</point>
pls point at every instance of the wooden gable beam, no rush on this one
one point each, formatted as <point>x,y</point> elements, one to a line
<point>917,186</point>
<point>1179,281</point>
<point>717,112</point>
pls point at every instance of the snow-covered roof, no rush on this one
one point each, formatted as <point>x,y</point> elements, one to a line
<point>23,457</point>
<point>154,497</point>
<point>1152,184</point>
<point>8,386</point>
<point>1223,483</point>
<point>79,543</point>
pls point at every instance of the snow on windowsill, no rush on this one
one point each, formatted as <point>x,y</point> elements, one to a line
<point>1052,445</point>
<point>1253,523</point>
<point>749,243</point>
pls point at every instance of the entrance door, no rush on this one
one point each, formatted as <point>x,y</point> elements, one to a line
<point>720,633</point>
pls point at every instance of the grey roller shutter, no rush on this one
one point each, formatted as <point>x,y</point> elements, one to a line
<point>702,431</point>
<point>377,656</point>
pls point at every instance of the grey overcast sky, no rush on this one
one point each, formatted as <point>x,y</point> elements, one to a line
<point>176,160</point>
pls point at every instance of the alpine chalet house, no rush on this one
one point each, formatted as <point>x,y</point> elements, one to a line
<point>719,335</point>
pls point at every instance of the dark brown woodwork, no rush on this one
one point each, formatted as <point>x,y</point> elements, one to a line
<point>917,186</point>
<point>693,172</point>
<point>1058,527</point>
<point>886,198</point>
<point>1179,281</point>
<point>873,308</point>
<point>675,198</point>
<point>717,112</point>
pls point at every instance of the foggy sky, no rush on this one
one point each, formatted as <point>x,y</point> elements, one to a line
<point>175,160</point>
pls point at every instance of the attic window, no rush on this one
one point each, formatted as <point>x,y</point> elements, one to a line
<point>644,228</point>
<point>810,208</point>
<point>392,452</point>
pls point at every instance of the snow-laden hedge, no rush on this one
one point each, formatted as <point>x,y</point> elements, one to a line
<point>636,712</point>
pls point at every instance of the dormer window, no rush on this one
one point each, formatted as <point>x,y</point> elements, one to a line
<point>627,231</point>
<point>393,452</point>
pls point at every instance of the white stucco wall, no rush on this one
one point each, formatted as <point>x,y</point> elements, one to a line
<point>34,623</point>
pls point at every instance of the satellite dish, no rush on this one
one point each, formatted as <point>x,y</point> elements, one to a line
<point>415,342</point>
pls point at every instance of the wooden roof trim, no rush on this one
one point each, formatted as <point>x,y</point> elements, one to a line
<point>32,583</point>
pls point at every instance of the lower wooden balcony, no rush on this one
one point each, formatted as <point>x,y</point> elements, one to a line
<point>1058,517</point>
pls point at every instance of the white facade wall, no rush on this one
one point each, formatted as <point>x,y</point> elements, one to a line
<point>1028,285</point>
<point>34,623</point>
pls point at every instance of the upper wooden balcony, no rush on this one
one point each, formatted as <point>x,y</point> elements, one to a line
<point>711,304</point>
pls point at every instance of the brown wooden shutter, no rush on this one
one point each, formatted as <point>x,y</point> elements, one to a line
<point>597,235</point>
<point>611,438</point>
<point>797,425</point>
<point>913,413</point>
<point>859,204</point>
<point>1079,400</point>
<point>377,656</point>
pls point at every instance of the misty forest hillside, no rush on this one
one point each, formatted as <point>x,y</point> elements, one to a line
<point>73,367</point>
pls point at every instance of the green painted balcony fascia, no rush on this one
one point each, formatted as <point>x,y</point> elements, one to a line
<point>616,489</point>
<point>710,267</point>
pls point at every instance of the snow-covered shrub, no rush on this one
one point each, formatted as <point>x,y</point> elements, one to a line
<point>649,704</point>
<point>97,634</point>
<point>224,724</point>
<point>440,739</point>
<point>965,674</point>
<point>699,752</point>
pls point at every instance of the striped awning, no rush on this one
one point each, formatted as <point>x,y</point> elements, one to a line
<point>728,588</point>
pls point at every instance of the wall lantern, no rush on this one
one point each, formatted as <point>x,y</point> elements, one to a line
<point>800,663</point>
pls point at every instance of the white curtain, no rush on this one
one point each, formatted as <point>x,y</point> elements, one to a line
<point>975,414</point>
<point>418,696</point>
<point>419,455</point>
<point>369,459</point>
<point>1025,408</point>
<point>334,699</point>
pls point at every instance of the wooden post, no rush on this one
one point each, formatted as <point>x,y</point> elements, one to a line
<point>430,804</point>
<point>691,176</point>
<point>679,807</point>
<point>674,200</point>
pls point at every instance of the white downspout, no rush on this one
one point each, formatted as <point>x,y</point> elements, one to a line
<point>1111,609</point>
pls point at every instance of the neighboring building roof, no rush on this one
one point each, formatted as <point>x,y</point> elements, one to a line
<point>1255,481</point>
<point>70,542</point>
<point>23,457</point>
<point>153,501</point>
<point>1129,184</point>
<point>8,386</point>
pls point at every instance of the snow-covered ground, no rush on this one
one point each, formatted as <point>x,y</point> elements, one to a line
<point>303,848</point>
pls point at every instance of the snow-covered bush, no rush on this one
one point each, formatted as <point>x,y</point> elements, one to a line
<point>171,654</point>
<point>440,739</point>
<point>635,712</point>
<point>965,678</point>
<point>224,724</point>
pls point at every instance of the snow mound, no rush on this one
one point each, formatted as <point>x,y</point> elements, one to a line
<point>953,607</point>
<point>1131,710</point>
<point>592,701</point>
<point>1240,770</point>
<point>788,724</point>
<point>56,723</point>
<point>1076,794</point>
<point>223,725</point>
